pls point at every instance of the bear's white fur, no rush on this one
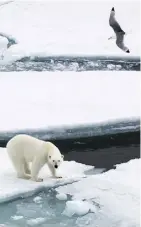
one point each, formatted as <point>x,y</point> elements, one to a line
<point>23,149</point>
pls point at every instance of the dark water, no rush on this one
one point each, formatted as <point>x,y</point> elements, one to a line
<point>73,64</point>
<point>102,152</point>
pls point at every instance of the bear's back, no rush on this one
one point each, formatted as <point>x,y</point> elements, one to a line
<point>26,145</point>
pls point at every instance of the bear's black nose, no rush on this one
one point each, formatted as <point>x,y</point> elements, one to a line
<point>56,166</point>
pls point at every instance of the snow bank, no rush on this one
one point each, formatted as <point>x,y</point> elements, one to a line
<point>11,187</point>
<point>117,193</point>
<point>47,28</point>
<point>31,100</point>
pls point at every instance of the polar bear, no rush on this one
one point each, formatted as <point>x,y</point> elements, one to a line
<point>23,149</point>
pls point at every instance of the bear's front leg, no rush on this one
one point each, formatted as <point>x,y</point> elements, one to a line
<point>54,172</point>
<point>36,166</point>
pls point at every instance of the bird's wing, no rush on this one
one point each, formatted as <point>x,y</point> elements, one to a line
<point>120,39</point>
<point>114,24</point>
<point>116,27</point>
<point>10,38</point>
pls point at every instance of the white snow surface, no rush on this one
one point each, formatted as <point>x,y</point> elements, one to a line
<point>117,192</point>
<point>11,187</point>
<point>48,28</point>
<point>31,100</point>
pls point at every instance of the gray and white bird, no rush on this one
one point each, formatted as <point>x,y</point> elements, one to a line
<point>11,41</point>
<point>118,31</point>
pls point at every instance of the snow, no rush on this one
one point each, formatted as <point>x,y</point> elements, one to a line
<point>78,207</point>
<point>11,187</point>
<point>50,28</point>
<point>61,196</point>
<point>31,100</point>
<point>117,193</point>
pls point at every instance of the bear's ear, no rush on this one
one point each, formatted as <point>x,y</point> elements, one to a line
<point>62,156</point>
<point>49,156</point>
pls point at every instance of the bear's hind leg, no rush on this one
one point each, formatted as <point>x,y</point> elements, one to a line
<point>23,176</point>
<point>20,169</point>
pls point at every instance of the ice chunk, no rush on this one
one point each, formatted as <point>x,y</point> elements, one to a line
<point>77,207</point>
<point>36,221</point>
<point>111,66</point>
<point>15,217</point>
<point>61,196</point>
<point>37,199</point>
<point>2,225</point>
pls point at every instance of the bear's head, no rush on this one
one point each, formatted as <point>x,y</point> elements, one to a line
<point>55,160</point>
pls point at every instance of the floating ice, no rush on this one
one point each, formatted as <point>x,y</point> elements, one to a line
<point>15,217</point>
<point>56,102</point>
<point>36,221</point>
<point>37,199</point>
<point>78,207</point>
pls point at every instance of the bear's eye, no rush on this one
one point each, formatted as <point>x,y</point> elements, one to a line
<point>58,160</point>
<point>49,156</point>
<point>53,160</point>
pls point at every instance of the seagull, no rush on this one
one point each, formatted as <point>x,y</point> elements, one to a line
<point>119,32</point>
<point>11,41</point>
